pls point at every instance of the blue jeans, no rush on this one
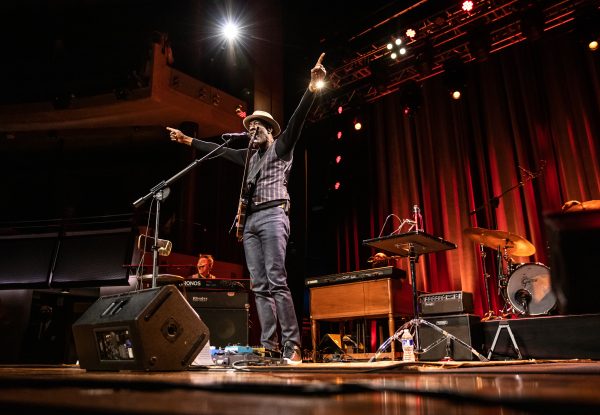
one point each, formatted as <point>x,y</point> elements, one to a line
<point>265,243</point>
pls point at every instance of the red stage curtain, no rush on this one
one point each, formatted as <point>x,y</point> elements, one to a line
<point>525,106</point>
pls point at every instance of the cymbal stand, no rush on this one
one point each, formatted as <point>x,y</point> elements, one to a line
<point>503,280</point>
<point>490,315</point>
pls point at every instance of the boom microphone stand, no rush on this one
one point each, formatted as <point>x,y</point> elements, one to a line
<point>161,191</point>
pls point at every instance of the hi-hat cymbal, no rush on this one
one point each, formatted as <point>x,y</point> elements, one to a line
<point>515,245</point>
<point>162,278</point>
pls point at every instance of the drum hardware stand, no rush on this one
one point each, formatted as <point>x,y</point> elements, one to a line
<point>161,191</point>
<point>490,315</point>
<point>411,245</point>
<point>504,325</point>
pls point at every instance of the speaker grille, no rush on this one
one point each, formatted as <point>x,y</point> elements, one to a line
<point>226,326</point>
<point>466,327</point>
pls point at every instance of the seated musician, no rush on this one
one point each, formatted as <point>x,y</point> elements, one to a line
<point>204,266</point>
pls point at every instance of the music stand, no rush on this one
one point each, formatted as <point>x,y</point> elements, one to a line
<point>411,245</point>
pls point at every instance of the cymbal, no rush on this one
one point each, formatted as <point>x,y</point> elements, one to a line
<point>515,245</point>
<point>162,278</point>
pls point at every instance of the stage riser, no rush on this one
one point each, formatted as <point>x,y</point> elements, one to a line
<point>549,337</point>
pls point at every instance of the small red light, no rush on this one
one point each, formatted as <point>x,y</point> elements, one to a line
<point>337,185</point>
<point>340,109</point>
<point>338,159</point>
<point>339,135</point>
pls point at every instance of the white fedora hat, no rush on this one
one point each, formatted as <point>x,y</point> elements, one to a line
<point>264,117</point>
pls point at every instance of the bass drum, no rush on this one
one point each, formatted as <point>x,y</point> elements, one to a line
<point>529,290</point>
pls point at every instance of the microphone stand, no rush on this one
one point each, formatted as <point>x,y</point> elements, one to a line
<point>494,202</point>
<point>161,191</point>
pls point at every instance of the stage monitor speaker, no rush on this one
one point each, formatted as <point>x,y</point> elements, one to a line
<point>466,327</point>
<point>153,329</point>
<point>227,326</point>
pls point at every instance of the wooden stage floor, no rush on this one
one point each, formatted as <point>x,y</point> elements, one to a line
<point>514,387</point>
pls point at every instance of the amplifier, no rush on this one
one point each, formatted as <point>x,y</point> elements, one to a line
<point>466,327</point>
<point>452,302</point>
<point>218,299</point>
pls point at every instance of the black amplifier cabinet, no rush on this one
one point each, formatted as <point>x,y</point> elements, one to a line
<point>451,302</point>
<point>226,313</point>
<point>466,327</point>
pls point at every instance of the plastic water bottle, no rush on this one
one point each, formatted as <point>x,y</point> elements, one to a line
<point>408,347</point>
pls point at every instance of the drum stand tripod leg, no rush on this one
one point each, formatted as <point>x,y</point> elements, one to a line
<point>504,325</point>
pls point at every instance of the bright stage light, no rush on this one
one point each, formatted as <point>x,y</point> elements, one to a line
<point>231,31</point>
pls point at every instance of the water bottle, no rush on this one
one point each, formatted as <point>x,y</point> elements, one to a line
<point>408,346</point>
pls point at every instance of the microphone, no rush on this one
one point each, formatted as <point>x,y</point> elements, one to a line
<point>524,298</point>
<point>229,136</point>
<point>418,219</point>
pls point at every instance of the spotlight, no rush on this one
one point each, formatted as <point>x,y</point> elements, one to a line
<point>454,76</point>
<point>230,31</point>
<point>402,51</point>
<point>467,6</point>
<point>398,42</point>
<point>320,84</point>
<point>411,33</point>
<point>587,24</point>
<point>357,125</point>
<point>389,46</point>
<point>410,97</point>
<point>393,55</point>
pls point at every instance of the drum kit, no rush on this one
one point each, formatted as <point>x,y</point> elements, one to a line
<point>525,287</point>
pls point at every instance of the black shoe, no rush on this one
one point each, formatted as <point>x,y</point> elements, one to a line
<point>292,354</point>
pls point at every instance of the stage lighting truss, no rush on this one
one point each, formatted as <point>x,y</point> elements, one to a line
<point>447,34</point>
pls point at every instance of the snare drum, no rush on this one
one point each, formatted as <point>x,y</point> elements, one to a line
<point>529,290</point>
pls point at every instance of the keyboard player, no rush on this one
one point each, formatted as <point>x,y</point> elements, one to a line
<point>204,267</point>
